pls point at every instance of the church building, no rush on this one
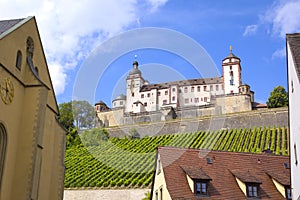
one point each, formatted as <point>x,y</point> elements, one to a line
<point>32,142</point>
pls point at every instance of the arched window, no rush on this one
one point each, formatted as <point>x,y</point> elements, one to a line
<point>29,47</point>
<point>3,139</point>
<point>19,60</point>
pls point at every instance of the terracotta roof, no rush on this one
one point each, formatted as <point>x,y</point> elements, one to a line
<point>294,43</point>
<point>199,81</point>
<point>176,162</point>
<point>7,24</point>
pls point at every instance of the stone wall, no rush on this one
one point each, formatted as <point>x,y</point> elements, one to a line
<point>264,117</point>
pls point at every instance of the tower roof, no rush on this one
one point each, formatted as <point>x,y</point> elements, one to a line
<point>135,70</point>
<point>231,55</point>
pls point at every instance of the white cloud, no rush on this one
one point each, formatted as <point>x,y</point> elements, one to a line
<point>156,4</point>
<point>280,53</point>
<point>284,17</point>
<point>71,29</point>
<point>250,30</point>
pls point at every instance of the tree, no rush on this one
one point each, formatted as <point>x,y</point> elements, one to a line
<point>83,113</point>
<point>278,98</point>
<point>73,138</point>
<point>66,115</point>
<point>134,134</point>
<point>94,136</point>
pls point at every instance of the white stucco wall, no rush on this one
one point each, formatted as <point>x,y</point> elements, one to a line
<point>294,114</point>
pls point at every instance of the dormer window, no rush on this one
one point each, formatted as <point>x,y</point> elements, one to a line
<point>198,180</point>
<point>288,193</point>
<point>201,187</point>
<point>252,190</point>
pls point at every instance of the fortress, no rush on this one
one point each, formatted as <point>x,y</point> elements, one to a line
<point>145,102</point>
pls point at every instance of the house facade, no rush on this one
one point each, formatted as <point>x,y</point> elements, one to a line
<point>32,142</point>
<point>293,65</point>
<point>203,174</point>
<point>145,102</point>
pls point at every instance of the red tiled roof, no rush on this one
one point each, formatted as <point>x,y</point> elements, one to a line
<point>176,162</point>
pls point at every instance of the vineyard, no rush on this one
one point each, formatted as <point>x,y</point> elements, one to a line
<point>123,163</point>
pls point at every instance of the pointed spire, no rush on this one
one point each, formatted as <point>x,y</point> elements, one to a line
<point>230,48</point>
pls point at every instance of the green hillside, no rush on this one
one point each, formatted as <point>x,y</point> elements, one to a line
<point>124,163</point>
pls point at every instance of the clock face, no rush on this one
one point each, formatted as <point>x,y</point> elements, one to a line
<point>7,91</point>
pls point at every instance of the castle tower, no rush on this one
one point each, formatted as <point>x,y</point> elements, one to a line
<point>232,69</point>
<point>134,82</point>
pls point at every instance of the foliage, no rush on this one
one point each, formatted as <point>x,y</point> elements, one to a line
<point>84,114</point>
<point>119,162</point>
<point>147,196</point>
<point>66,115</point>
<point>94,136</point>
<point>72,138</point>
<point>278,98</point>
<point>134,134</point>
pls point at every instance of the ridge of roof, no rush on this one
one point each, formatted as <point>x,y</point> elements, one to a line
<point>7,26</point>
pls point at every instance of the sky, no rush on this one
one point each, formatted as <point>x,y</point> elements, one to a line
<point>77,36</point>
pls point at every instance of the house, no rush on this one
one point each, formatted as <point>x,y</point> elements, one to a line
<point>293,65</point>
<point>32,142</point>
<point>202,174</point>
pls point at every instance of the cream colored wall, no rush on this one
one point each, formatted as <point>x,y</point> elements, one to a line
<point>242,185</point>
<point>191,183</point>
<point>279,187</point>
<point>235,103</point>
<point>29,121</point>
<point>160,182</point>
<point>115,117</point>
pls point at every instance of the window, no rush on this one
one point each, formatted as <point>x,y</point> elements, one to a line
<point>192,89</point>
<point>142,95</point>
<point>198,88</point>
<point>156,195</point>
<point>205,99</point>
<point>3,140</point>
<point>29,47</point>
<point>231,82</point>
<point>158,93</point>
<point>191,99</point>
<point>19,60</point>
<point>166,92</point>
<point>231,91</point>
<point>148,95</point>
<point>164,102</point>
<point>205,88</point>
<point>211,88</point>
<point>115,103</point>
<point>288,193</point>
<point>217,87</point>
<point>230,67</point>
<point>173,89</point>
<point>121,103</point>
<point>252,190</point>
<point>196,100</point>
<point>160,193</point>
<point>145,104</point>
<point>185,89</point>
<point>186,100</point>
<point>200,187</point>
<point>132,94</point>
<point>179,90</point>
<point>173,98</point>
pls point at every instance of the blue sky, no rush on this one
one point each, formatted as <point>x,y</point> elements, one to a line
<point>71,31</point>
